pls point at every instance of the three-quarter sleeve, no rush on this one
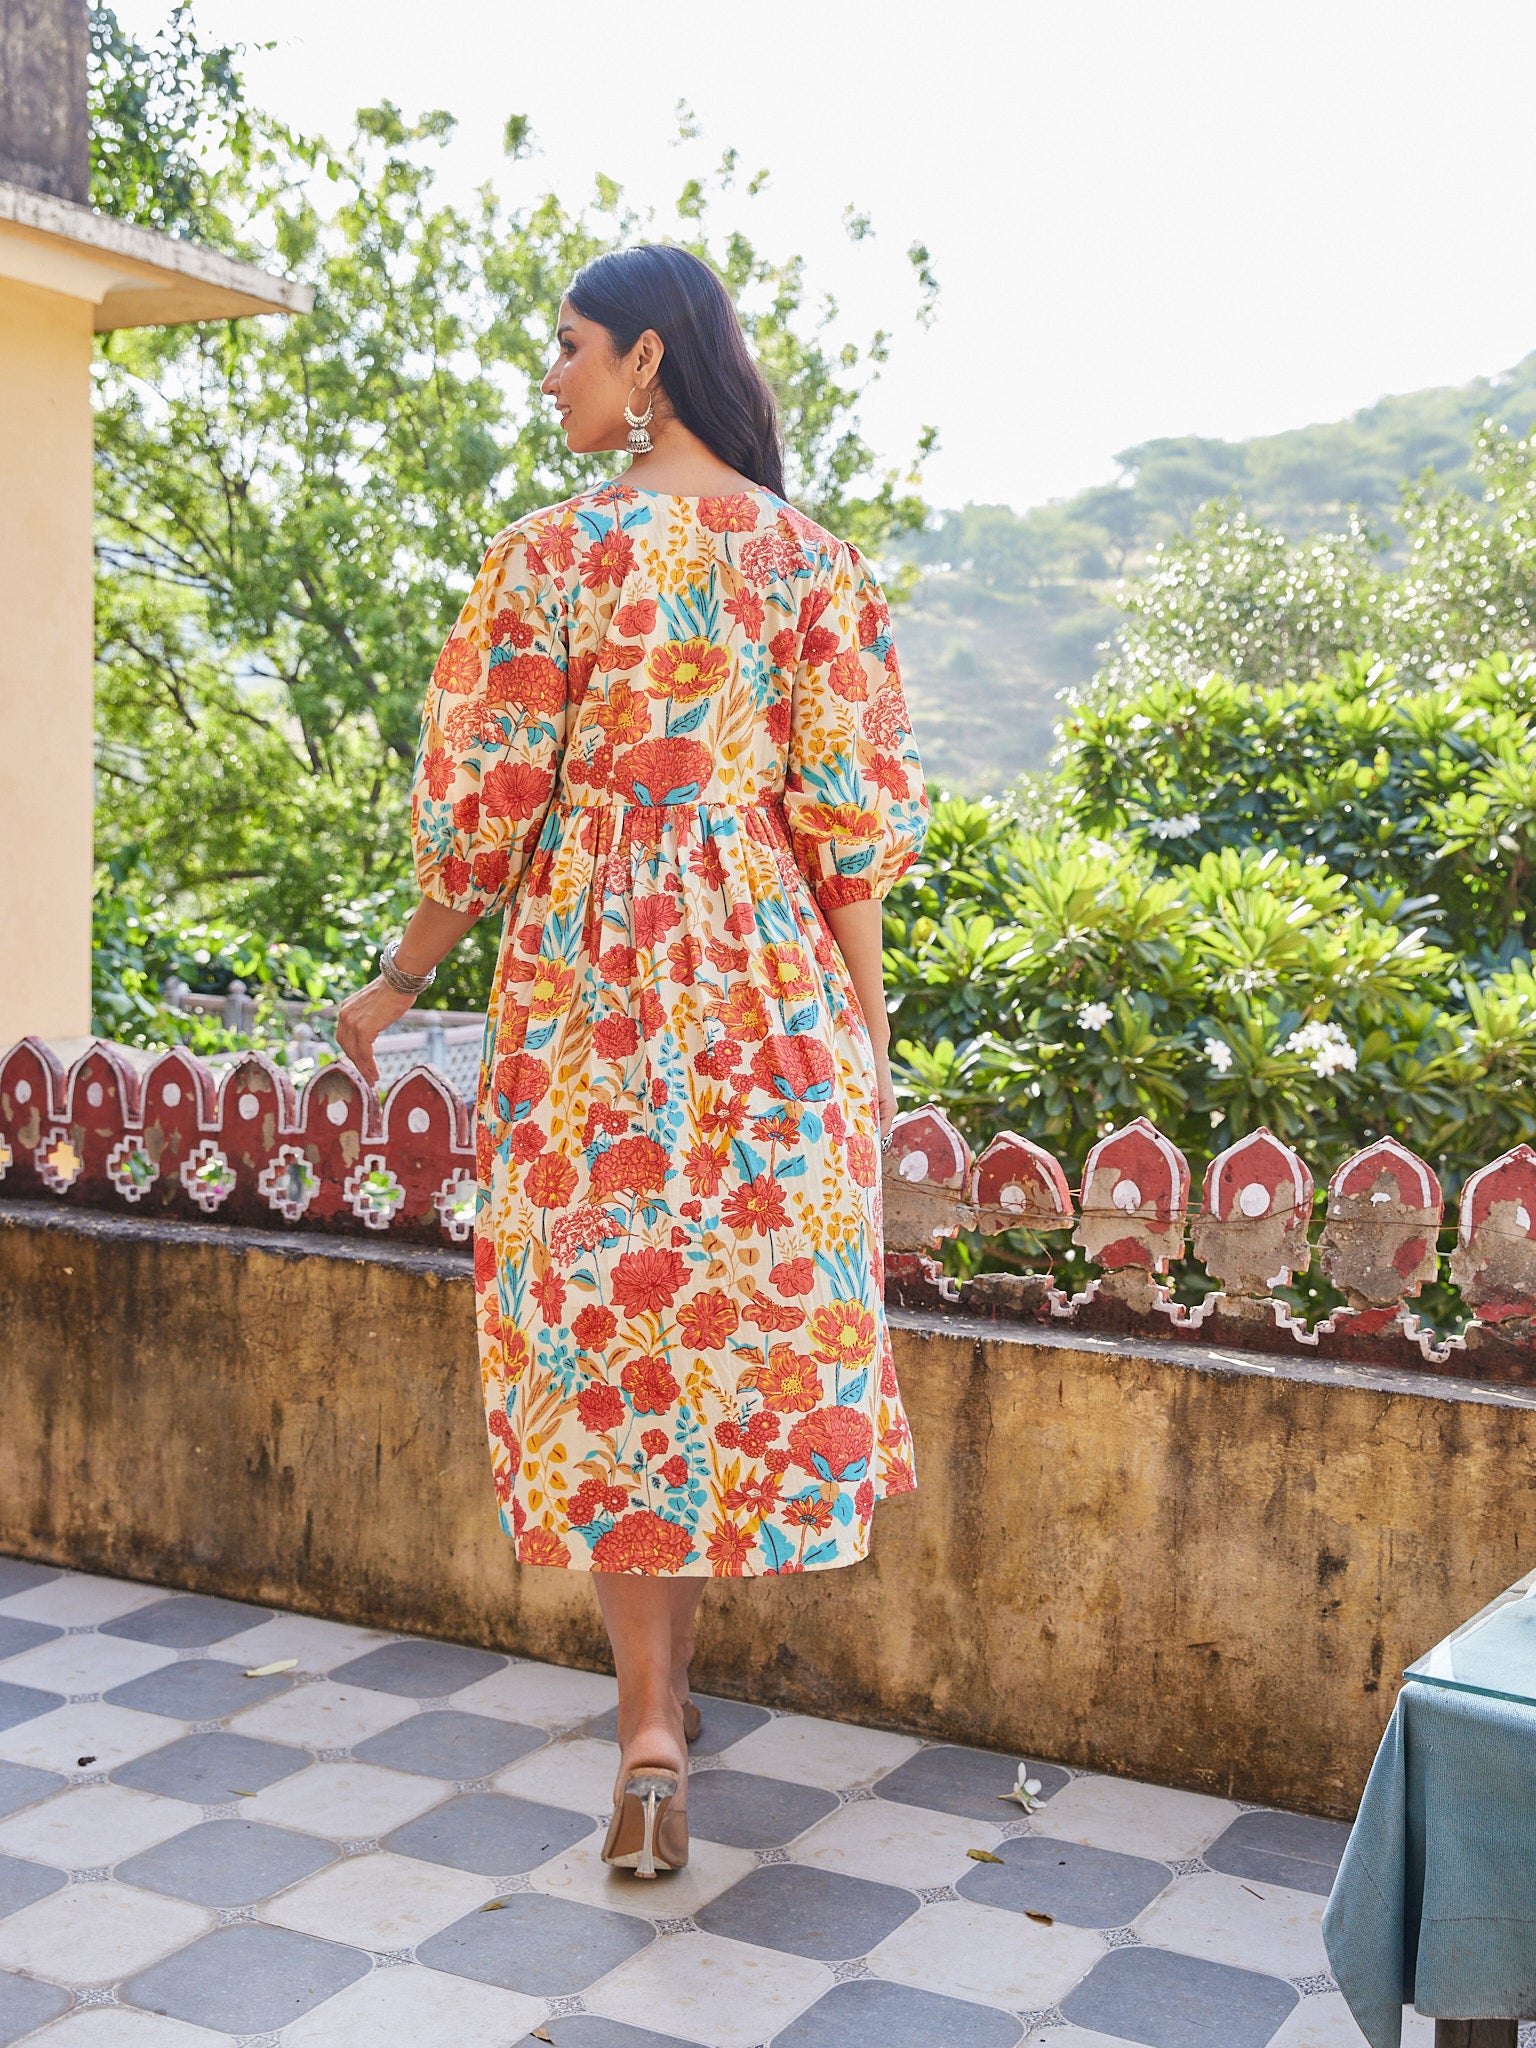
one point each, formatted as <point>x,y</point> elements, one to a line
<point>854,796</point>
<point>492,733</point>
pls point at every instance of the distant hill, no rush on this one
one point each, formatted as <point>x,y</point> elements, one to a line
<point>1011,608</point>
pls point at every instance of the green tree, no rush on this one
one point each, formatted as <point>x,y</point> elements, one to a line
<point>157,109</point>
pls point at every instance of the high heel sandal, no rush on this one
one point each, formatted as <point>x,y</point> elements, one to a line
<point>646,1833</point>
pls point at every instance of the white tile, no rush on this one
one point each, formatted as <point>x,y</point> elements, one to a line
<point>980,1952</point>
<point>1136,1819</point>
<point>79,1601</point>
<point>1250,1925</point>
<point>380,1901</point>
<point>324,1716</point>
<point>582,1875</point>
<point>86,1663</point>
<point>1329,2023</point>
<point>891,1844</point>
<point>107,1734</point>
<point>540,1695</point>
<point>1418,2031</point>
<point>92,1825</point>
<point>825,1753</point>
<point>705,1988</point>
<point>318,1645</point>
<point>122,2026</point>
<point>345,1802</point>
<point>422,2008</point>
<point>577,1774</point>
<point>97,1933</point>
<point>1070,2037</point>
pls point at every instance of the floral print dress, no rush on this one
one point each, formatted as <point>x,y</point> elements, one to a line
<point>662,732</point>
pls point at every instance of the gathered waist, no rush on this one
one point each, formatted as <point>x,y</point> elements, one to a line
<point>619,802</point>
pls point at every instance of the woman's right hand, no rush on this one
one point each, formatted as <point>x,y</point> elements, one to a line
<point>360,1020</point>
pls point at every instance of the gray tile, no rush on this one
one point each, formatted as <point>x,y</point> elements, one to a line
<point>202,1689</point>
<point>24,1703</point>
<point>724,1722</point>
<point>21,1883</point>
<point>25,2004</point>
<point>751,1812</point>
<point>19,1576</point>
<point>818,1913</point>
<point>1171,2001</point>
<point>868,2013</point>
<point>208,1769</point>
<point>546,1947</point>
<point>17,1635</point>
<point>187,1621</point>
<point>586,2030</point>
<point>1084,1887</point>
<point>1282,1848</point>
<point>969,1782</point>
<point>22,1785</point>
<point>490,1833</point>
<point>449,1744</point>
<point>419,1670</point>
<point>227,1863</point>
<point>247,1980</point>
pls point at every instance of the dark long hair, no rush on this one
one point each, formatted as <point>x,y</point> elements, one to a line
<point>708,374</point>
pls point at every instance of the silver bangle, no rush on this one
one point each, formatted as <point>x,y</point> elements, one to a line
<point>402,983</point>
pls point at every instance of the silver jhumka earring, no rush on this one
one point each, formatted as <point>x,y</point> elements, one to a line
<point>640,442</point>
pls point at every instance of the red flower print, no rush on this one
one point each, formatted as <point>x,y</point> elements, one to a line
<point>861,1160</point>
<point>818,646</point>
<point>760,1432</point>
<point>784,647</point>
<point>636,1166</point>
<point>454,875</point>
<point>684,956</point>
<point>639,617</point>
<point>686,670</point>
<point>438,771</point>
<point>586,1503</point>
<point>864,1500</point>
<point>542,1546</point>
<point>788,970</point>
<point>734,514</point>
<point>776,1461</point>
<point>888,1385</point>
<point>617,966</point>
<point>650,1385</point>
<point>742,1011</point>
<point>793,1276</point>
<point>655,915</point>
<point>466,813</point>
<point>531,681</point>
<point>885,722</point>
<point>554,986</point>
<point>664,771</point>
<point>788,1382</point>
<point>838,1437</point>
<point>551,1181</point>
<point>600,1407</point>
<point>779,718</point>
<point>615,1037</point>
<point>643,1542</point>
<point>768,555</point>
<point>501,1428</point>
<point>757,1205</point>
<point>604,1122</point>
<point>582,1231</point>
<point>812,605</point>
<point>653,1019</point>
<point>618,654</point>
<point>747,610</point>
<point>898,1477</point>
<point>485,1260</point>
<point>717,1061</point>
<point>507,629</point>
<point>889,774</point>
<point>675,1472</point>
<point>515,789</point>
<point>555,540</point>
<point>608,560</point>
<point>705,1170</point>
<point>811,1513</point>
<point>728,1550</point>
<point>648,1279</point>
<point>729,959</point>
<point>654,1443</point>
<point>624,715</point>
<point>527,1143</point>
<point>728,1434</point>
<point>490,871</point>
<point>842,1333</point>
<point>773,1315</point>
<point>740,918</point>
<point>458,668</point>
<point>708,1319</point>
<point>757,1496</point>
<point>873,620</point>
<point>549,1293</point>
<point>847,678</point>
<point>800,1068</point>
<point>523,1081</point>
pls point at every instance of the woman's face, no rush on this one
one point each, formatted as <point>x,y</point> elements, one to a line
<point>590,385</point>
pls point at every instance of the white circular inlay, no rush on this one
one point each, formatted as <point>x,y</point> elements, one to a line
<point>1254,1199</point>
<point>170,1094</point>
<point>23,1091</point>
<point>249,1105</point>
<point>914,1166</point>
<point>1523,1217</point>
<point>336,1109</point>
<point>1012,1196</point>
<point>1126,1195</point>
<point>418,1121</point>
<point>95,1095</point>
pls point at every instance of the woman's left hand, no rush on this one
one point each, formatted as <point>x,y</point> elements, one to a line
<point>885,1092</point>
<point>360,1020</point>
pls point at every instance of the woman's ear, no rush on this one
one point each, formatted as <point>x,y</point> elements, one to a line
<point>649,350</point>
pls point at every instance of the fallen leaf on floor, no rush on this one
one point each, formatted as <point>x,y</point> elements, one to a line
<point>271,1670</point>
<point>1025,1791</point>
<point>1044,1918</point>
<point>1249,1888</point>
<point>82,1761</point>
<point>496,1906</point>
<point>238,1792</point>
<point>983,1856</point>
<point>539,2034</point>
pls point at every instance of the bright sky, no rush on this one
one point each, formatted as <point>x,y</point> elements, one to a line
<point>1206,216</point>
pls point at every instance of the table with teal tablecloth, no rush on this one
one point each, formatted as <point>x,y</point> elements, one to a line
<point>1435,1900</point>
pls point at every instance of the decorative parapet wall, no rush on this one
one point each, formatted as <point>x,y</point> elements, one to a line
<point>170,1134</point>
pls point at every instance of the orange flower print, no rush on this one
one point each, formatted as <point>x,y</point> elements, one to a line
<point>847,679</point>
<point>811,1512</point>
<point>437,772</point>
<point>647,1280</point>
<point>608,560</point>
<point>542,1546</point>
<point>458,668</point>
<point>728,1549</point>
<point>643,1542</point>
<point>789,1381</point>
<point>514,790</point>
<point>757,1205</point>
<point>686,670</point>
<point>650,1385</point>
<point>552,988</point>
<point>708,1319</point>
<point>737,514</point>
<point>531,681</point>
<point>833,1442</point>
<point>747,610</point>
<point>637,618</point>
<point>551,1181</point>
<point>789,971</point>
<point>633,1166</point>
<point>843,1334</point>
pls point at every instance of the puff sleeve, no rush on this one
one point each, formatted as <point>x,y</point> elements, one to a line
<point>493,733</point>
<point>854,796</point>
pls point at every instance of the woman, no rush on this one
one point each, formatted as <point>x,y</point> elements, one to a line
<point>667,740</point>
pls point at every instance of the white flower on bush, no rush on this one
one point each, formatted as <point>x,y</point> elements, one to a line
<point>1141,723</point>
<point>1324,1046</point>
<point>1094,1016</point>
<point>1176,828</point>
<point>1219,1053</point>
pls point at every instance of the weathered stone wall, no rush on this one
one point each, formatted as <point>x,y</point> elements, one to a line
<point>44,134</point>
<point>1193,1566</point>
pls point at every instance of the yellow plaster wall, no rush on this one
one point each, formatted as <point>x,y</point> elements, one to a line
<point>46,778</point>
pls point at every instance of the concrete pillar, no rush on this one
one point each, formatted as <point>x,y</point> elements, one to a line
<point>44,134</point>
<point>46,757</point>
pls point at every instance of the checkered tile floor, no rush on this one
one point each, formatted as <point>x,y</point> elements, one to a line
<point>395,1845</point>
